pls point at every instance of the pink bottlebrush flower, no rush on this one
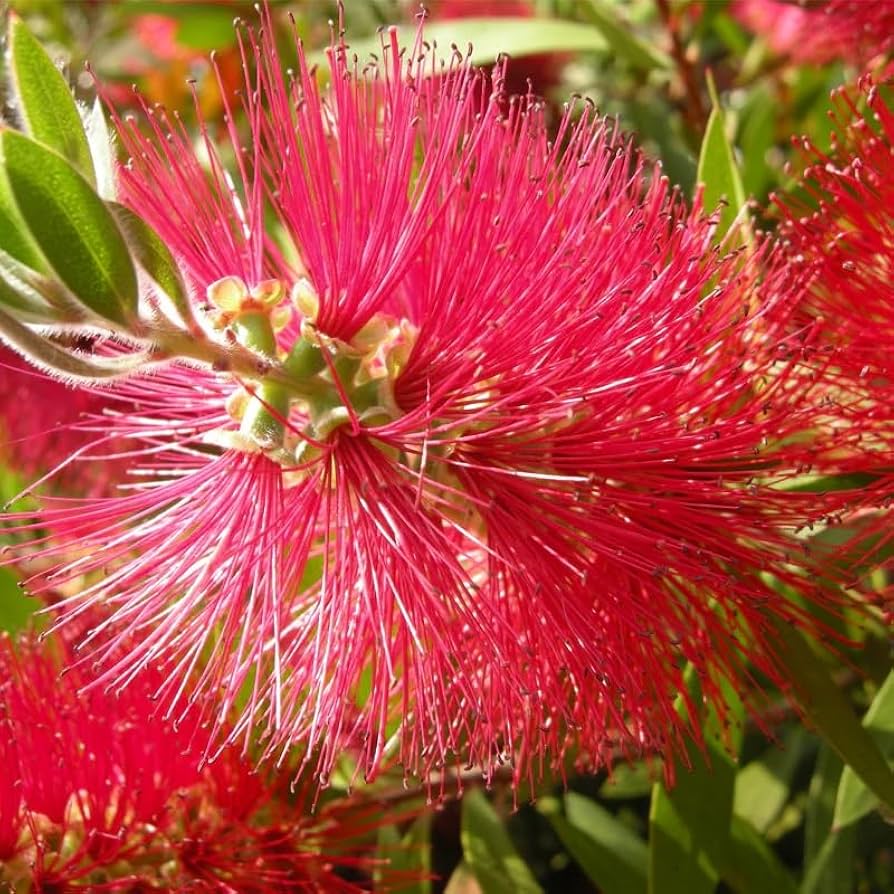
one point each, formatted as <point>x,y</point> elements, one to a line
<point>47,426</point>
<point>529,468</point>
<point>97,794</point>
<point>820,31</point>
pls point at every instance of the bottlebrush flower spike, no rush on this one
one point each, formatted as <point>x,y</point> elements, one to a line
<point>48,428</point>
<point>531,467</point>
<point>820,31</point>
<point>97,794</point>
<point>843,230</point>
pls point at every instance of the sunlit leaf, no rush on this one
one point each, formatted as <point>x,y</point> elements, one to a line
<point>610,853</point>
<point>830,712</point>
<point>718,172</point>
<point>74,230</point>
<point>489,852</point>
<point>488,38</point>
<point>855,799</point>
<point>45,100</point>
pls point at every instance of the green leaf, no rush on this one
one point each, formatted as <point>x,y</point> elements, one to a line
<point>73,228</point>
<point>828,856</point>
<point>640,54</point>
<point>407,857</point>
<point>830,712</point>
<point>47,354</point>
<point>490,37</point>
<point>689,824</point>
<point>14,236</point>
<point>34,297</point>
<point>854,799</point>
<point>151,253</point>
<point>718,172</point>
<point>463,881</point>
<point>101,150</point>
<point>609,852</point>
<point>489,852</point>
<point>630,781</point>
<point>48,108</point>
<point>752,865</point>
<point>763,787</point>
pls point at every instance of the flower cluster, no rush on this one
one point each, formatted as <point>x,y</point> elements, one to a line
<point>523,460</point>
<point>819,31</point>
<point>843,227</point>
<point>98,794</point>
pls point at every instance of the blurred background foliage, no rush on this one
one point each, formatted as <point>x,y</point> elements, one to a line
<point>767,805</point>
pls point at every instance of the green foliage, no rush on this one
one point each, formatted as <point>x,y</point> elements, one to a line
<point>855,798</point>
<point>71,225</point>
<point>489,852</point>
<point>717,170</point>
<point>47,106</point>
<point>486,39</point>
<point>407,856</point>
<point>154,257</point>
<point>831,713</point>
<point>612,855</point>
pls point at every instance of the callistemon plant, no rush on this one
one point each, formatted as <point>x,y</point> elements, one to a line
<point>842,226</point>
<point>96,794</point>
<point>452,441</point>
<point>818,31</point>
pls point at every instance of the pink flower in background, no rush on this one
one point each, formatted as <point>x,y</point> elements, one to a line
<point>528,468</point>
<point>820,31</point>
<point>49,426</point>
<point>98,794</point>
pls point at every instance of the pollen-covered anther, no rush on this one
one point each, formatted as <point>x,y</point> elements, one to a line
<point>305,298</point>
<point>232,298</point>
<point>385,344</point>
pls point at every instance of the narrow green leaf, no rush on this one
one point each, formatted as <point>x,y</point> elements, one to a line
<point>48,108</point>
<point>101,150</point>
<point>34,297</point>
<point>609,852</point>
<point>490,37</point>
<point>832,871</point>
<point>763,787</point>
<point>73,228</point>
<point>46,354</point>
<point>463,881</point>
<point>630,781</point>
<point>14,236</point>
<point>752,865</point>
<point>151,253</point>
<point>689,825</point>
<point>830,712</point>
<point>854,799</point>
<point>718,172</point>
<point>828,856</point>
<point>407,859</point>
<point>489,852</point>
<point>621,38</point>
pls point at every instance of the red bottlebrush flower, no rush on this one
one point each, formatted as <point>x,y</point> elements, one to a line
<point>842,228</point>
<point>98,794</point>
<point>820,31</point>
<point>526,469</point>
<point>47,426</point>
